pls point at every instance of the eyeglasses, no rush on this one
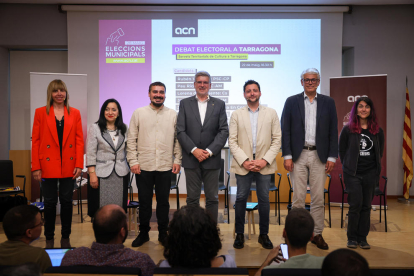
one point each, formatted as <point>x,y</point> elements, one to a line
<point>202,82</point>
<point>310,80</point>
<point>42,222</point>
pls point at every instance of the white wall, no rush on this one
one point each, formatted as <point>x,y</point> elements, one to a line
<point>4,103</point>
<point>383,41</point>
<point>21,63</point>
<point>28,27</point>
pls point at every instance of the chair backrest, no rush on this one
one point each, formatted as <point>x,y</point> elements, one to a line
<point>130,189</point>
<point>391,272</point>
<point>174,180</point>
<point>385,185</point>
<point>329,182</point>
<point>221,176</point>
<point>87,269</point>
<point>6,174</point>
<point>201,271</point>
<point>342,183</point>
<point>272,180</point>
<point>291,272</point>
<point>290,184</point>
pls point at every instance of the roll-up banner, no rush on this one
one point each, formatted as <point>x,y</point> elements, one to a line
<point>345,91</point>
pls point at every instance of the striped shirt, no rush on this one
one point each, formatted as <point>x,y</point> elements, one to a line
<point>310,120</point>
<point>254,116</point>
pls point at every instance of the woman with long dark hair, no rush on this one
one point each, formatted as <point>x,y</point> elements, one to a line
<point>57,157</point>
<point>361,146</point>
<point>106,159</point>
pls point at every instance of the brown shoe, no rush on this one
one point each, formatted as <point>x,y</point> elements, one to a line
<point>320,242</point>
<point>65,243</point>
<point>50,243</point>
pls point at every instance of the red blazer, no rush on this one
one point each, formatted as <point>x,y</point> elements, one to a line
<point>45,144</point>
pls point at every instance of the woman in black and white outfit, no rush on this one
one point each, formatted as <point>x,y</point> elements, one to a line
<point>361,146</point>
<point>106,159</point>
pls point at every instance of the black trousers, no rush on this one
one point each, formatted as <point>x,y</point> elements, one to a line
<point>50,193</point>
<point>145,183</point>
<point>360,189</point>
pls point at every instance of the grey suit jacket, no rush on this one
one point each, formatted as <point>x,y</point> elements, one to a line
<point>212,134</point>
<point>102,153</point>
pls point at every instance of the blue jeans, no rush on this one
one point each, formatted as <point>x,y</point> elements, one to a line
<point>244,183</point>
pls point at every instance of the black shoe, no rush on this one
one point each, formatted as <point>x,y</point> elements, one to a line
<point>239,241</point>
<point>265,241</point>
<point>352,244</point>
<point>142,238</point>
<point>162,237</point>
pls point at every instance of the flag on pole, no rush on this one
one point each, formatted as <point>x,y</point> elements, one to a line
<point>407,146</point>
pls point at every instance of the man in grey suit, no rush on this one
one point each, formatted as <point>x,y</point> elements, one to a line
<point>202,131</point>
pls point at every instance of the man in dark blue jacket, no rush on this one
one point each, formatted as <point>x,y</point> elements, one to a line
<point>310,146</point>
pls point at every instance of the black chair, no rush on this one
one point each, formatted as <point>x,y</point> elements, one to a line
<point>344,191</point>
<point>275,189</point>
<point>201,271</point>
<point>382,195</point>
<point>225,188</point>
<point>272,188</point>
<point>174,186</point>
<point>327,191</point>
<point>307,206</point>
<point>7,179</point>
<point>78,189</point>
<point>289,206</point>
<point>87,269</point>
<point>391,272</point>
<point>132,206</point>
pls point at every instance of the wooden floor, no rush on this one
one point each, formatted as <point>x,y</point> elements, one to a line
<point>392,249</point>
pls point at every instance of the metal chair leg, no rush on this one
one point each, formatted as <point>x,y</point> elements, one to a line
<point>342,210</point>
<point>380,207</point>
<point>385,214</point>
<point>329,208</point>
<point>80,202</point>
<point>278,204</point>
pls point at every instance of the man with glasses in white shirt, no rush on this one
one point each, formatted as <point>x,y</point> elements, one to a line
<point>310,146</point>
<point>202,131</point>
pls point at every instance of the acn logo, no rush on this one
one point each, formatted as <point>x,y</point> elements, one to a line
<point>352,99</point>
<point>184,31</point>
<point>184,28</point>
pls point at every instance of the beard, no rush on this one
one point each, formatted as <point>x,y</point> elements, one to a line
<point>157,104</point>
<point>253,101</point>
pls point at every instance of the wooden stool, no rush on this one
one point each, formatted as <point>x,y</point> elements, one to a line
<point>250,207</point>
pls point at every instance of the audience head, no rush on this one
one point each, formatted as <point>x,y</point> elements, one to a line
<point>23,223</point>
<point>193,238</point>
<point>298,228</point>
<point>345,262</point>
<point>110,225</point>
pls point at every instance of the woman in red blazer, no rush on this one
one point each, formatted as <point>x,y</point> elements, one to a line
<point>57,156</point>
